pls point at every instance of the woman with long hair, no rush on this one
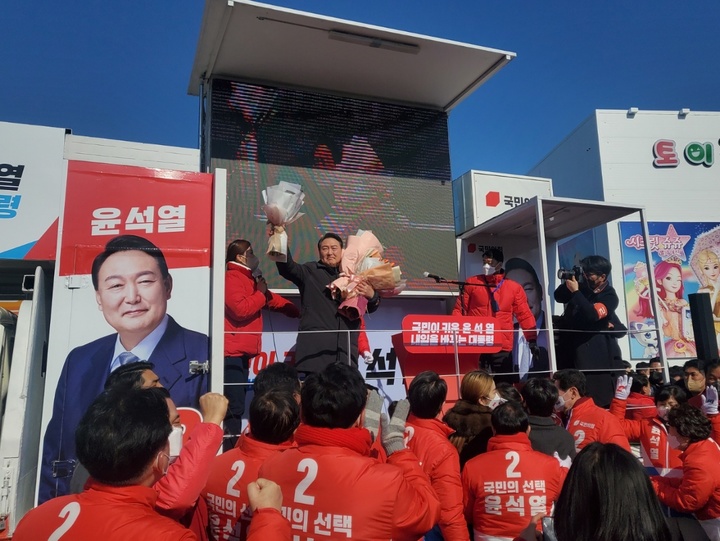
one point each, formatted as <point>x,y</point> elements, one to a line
<point>470,416</point>
<point>608,497</point>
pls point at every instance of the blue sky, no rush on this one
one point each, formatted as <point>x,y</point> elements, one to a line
<point>120,70</point>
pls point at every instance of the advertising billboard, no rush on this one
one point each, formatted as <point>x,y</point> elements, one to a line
<point>132,283</point>
<point>686,259</point>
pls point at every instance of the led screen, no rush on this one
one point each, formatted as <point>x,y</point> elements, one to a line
<point>362,165</point>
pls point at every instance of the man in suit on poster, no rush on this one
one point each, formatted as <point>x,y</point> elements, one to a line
<point>132,286</point>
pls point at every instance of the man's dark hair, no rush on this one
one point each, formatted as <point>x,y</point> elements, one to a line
<point>278,375</point>
<point>690,422</point>
<point>656,360</point>
<point>639,381</point>
<point>334,397</point>
<point>274,416</point>
<point>670,391</point>
<point>128,376</point>
<point>694,363</point>
<point>642,365</point>
<point>509,418</point>
<point>676,372</point>
<point>508,391</point>
<point>571,378</point>
<point>517,263</point>
<point>330,236</point>
<point>236,248</point>
<point>426,394</point>
<point>626,365</point>
<point>128,243</point>
<point>494,253</point>
<point>122,433</point>
<point>540,396</point>
<point>596,264</point>
<point>710,366</point>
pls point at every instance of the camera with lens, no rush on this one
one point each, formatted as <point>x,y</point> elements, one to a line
<point>567,274</point>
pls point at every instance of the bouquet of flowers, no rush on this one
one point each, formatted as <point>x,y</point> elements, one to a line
<point>282,207</point>
<point>362,259</point>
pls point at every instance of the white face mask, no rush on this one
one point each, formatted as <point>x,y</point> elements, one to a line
<point>662,412</point>
<point>495,402</point>
<point>176,443</point>
<point>560,404</point>
<point>488,270</point>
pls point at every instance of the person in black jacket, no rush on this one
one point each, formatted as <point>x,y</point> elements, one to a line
<point>539,396</point>
<point>319,310</point>
<point>587,340</point>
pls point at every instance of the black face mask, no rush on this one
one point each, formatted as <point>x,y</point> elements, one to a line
<point>656,378</point>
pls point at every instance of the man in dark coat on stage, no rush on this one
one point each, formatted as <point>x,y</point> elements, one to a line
<point>319,310</point>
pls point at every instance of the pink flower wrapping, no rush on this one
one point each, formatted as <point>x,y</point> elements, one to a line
<point>362,258</point>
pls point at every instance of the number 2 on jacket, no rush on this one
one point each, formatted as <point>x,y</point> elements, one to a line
<point>309,466</point>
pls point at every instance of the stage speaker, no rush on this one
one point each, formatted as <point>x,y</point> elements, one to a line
<point>703,326</point>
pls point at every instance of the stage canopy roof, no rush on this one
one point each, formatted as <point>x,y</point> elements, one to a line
<point>260,43</point>
<point>563,218</point>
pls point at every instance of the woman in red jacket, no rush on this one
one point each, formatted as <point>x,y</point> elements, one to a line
<point>246,294</point>
<point>698,490</point>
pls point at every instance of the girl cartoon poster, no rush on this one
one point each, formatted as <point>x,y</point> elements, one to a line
<point>686,259</point>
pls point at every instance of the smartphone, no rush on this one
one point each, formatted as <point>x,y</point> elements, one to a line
<point>548,529</point>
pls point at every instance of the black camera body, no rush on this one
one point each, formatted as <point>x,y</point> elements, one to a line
<point>567,274</point>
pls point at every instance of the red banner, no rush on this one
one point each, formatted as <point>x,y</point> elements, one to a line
<point>424,333</point>
<point>169,208</point>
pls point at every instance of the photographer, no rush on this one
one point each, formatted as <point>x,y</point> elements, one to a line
<point>586,341</point>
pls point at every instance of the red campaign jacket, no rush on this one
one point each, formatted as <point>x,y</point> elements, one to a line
<point>226,489</point>
<point>243,316</point>
<point>698,490</point>
<point>504,487</point>
<point>428,439</point>
<point>511,300</point>
<point>640,406</point>
<point>335,491</point>
<point>269,525</point>
<point>588,423</point>
<point>179,490</point>
<point>652,435</point>
<point>101,512</point>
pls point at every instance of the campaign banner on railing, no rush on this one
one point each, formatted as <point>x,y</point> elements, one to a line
<point>132,283</point>
<point>441,334</point>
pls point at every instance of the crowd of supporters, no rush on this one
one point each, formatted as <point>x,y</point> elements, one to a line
<point>322,459</point>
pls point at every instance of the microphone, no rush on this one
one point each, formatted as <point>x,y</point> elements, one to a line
<point>435,277</point>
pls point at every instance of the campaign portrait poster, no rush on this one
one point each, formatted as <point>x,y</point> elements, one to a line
<point>148,294</point>
<point>685,261</point>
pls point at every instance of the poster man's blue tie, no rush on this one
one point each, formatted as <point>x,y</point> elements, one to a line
<point>124,358</point>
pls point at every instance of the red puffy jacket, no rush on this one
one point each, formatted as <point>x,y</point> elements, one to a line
<point>652,435</point>
<point>269,525</point>
<point>511,300</point>
<point>428,439</point>
<point>698,490</point>
<point>588,423</point>
<point>504,487</point>
<point>243,316</point>
<point>333,489</point>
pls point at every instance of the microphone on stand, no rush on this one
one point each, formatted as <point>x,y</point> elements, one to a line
<point>435,277</point>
